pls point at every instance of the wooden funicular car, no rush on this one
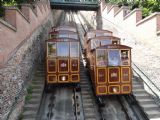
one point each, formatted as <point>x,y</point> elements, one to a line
<point>62,58</point>
<point>110,70</point>
<point>62,61</point>
<point>64,27</point>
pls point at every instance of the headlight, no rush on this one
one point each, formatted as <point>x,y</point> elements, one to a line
<point>115,90</point>
<point>63,78</point>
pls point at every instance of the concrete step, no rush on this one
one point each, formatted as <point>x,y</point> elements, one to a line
<point>29,119</point>
<point>146,101</point>
<point>152,106</point>
<point>34,101</point>
<point>31,107</point>
<point>30,114</point>
<point>38,82</point>
<point>137,86</point>
<point>86,93</point>
<point>153,114</point>
<point>87,100</point>
<point>36,95</point>
<point>37,91</point>
<point>140,91</point>
<point>87,96</point>
<point>141,95</point>
<point>37,86</point>
<point>89,105</point>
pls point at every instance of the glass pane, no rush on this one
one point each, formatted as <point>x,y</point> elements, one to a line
<point>74,36</point>
<point>51,48</point>
<point>113,58</point>
<point>53,35</point>
<point>101,58</point>
<point>74,49</point>
<point>90,35</point>
<point>63,35</point>
<point>63,49</point>
<point>95,43</point>
<point>125,57</point>
<point>107,34</point>
<point>106,42</point>
<point>99,34</point>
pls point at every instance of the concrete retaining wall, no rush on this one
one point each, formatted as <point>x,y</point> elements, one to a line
<point>145,30</point>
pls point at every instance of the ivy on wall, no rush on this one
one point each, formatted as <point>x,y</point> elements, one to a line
<point>147,6</point>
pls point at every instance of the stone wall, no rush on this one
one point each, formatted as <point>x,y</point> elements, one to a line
<point>28,49</point>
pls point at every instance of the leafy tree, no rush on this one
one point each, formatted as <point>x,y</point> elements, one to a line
<point>147,6</point>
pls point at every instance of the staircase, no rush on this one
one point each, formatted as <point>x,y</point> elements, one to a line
<point>145,100</point>
<point>32,106</point>
<point>88,100</point>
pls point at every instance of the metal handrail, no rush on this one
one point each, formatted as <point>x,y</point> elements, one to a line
<point>148,79</point>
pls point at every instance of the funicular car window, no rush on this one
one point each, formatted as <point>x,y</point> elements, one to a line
<point>74,49</point>
<point>54,35</point>
<point>90,35</point>
<point>51,49</point>
<point>95,43</point>
<point>125,57</point>
<point>63,35</point>
<point>114,58</point>
<point>74,36</point>
<point>99,34</point>
<point>63,49</point>
<point>101,57</point>
<point>106,42</point>
<point>107,34</point>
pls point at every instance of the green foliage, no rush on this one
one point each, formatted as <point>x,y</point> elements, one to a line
<point>29,93</point>
<point>28,98</point>
<point>30,90</point>
<point>147,6</point>
<point>11,3</point>
<point>145,12</point>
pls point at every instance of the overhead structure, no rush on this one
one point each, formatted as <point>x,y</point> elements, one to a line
<point>75,4</point>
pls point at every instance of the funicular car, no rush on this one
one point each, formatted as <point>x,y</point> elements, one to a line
<point>62,61</point>
<point>110,70</point>
<point>64,27</point>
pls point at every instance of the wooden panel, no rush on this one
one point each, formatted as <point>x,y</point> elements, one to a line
<point>113,75</point>
<point>126,88</point>
<point>125,74</point>
<point>114,89</point>
<point>63,65</point>
<point>101,90</point>
<point>101,76</point>
<point>75,78</point>
<point>52,79</point>
<point>74,65</point>
<point>51,66</point>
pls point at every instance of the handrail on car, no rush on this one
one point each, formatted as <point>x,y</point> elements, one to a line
<point>144,76</point>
